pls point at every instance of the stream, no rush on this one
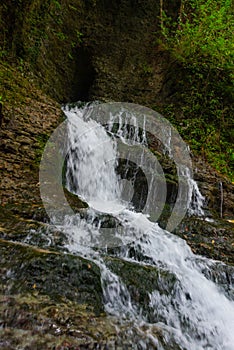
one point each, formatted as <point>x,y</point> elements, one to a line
<point>187,308</point>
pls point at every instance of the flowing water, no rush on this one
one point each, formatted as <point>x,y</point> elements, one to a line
<point>191,311</point>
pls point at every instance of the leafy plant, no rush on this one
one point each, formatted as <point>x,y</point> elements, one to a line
<point>201,41</point>
<point>204,30</point>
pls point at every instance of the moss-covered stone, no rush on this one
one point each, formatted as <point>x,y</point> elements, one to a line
<point>24,269</point>
<point>35,321</point>
<point>75,202</point>
<point>141,281</point>
<point>212,239</point>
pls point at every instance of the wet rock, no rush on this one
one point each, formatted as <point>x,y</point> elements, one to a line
<point>75,202</point>
<point>141,281</point>
<point>212,239</point>
<point>222,275</point>
<point>218,190</point>
<point>24,269</point>
<point>37,322</point>
<point>34,321</point>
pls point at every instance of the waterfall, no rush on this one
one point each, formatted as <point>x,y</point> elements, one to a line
<point>94,177</point>
<point>192,312</point>
<point>196,199</point>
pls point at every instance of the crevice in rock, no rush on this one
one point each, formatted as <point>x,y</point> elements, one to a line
<point>84,76</point>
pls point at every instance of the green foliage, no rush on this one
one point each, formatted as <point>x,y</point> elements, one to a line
<point>204,30</point>
<point>147,69</point>
<point>57,4</point>
<point>60,35</point>
<point>206,125</point>
<point>79,36</point>
<point>202,42</point>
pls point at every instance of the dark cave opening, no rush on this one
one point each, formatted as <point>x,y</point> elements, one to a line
<point>84,76</point>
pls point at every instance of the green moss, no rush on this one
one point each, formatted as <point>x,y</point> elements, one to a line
<point>41,142</point>
<point>142,280</point>
<point>206,124</point>
<point>201,41</point>
<point>15,88</point>
<point>52,273</point>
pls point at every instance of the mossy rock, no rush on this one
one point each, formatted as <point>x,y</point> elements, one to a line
<point>214,239</point>
<point>24,269</point>
<point>35,321</point>
<point>141,280</point>
<point>75,201</point>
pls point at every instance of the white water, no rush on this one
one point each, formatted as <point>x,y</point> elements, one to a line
<point>196,314</point>
<point>92,166</point>
<point>196,201</point>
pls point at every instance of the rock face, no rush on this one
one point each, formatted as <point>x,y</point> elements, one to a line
<point>86,50</point>
<point>218,190</point>
<point>25,129</point>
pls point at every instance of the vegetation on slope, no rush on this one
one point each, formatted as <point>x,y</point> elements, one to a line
<point>201,41</point>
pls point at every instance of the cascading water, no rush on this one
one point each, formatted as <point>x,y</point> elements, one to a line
<point>192,312</point>
<point>196,199</point>
<point>90,169</point>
